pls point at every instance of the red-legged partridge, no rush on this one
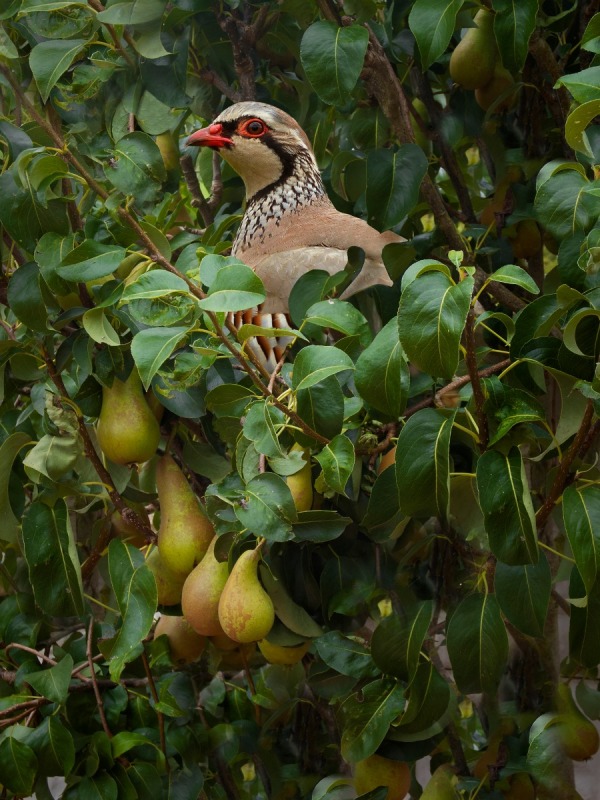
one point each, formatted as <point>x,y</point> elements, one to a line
<point>290,226</point>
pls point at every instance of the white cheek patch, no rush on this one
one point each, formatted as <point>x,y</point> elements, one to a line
<point>255,161</point>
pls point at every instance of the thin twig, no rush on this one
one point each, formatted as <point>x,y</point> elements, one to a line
<point>26,649</point>
<point>159,714</point>
<point>191,179</point>
<point>478,395</point>
<point>562,475</point>
<point>94,680</point>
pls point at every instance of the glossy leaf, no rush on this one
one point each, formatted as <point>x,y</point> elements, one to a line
<point>51,59</point>
<point>150,348</point>
<point>332,57</point>
<point>9,449</point>
<point>260,427</point>
<point>267,507</point>
<point>337,461</point>
<point>156,283</point>
<point>507,508</point>
<point>393,183</point>
<point>135,594</point>
<point>315,363</point>
<point>581,515</point>
<point>512,274</point>
<point>584,643</point>
<point>91,260</point>
<point>422,464</point>
<point>53,746</point>
<point>583,85</point>
<point>322,408</point>
<point>397,642</point>
<point>366,717</point>
<point>346,656</point>
<point>431,318</point>
<point>523,593</point>
<point>477,643</point>
<point>340,316</point>
<point>432,23</point>
<point>234,288</point>
<point>577,122</point>
<point>428,700</point>
<point>136,12</point>
<point>562,204</point>
<point>26,299</point>
<point>514,22</point>
<point>18,766</point>
<point>53,682</point>
<point>382,377</point>
<point>51,556</point>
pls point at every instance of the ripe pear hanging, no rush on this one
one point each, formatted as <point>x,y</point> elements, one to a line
<point>473,59</point>
<point>185,531</point>
<point>201,592</point>
<point>246,611</point>
<point>127,430</point>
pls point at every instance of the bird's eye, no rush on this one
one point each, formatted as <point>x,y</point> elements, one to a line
<point>254,127</point>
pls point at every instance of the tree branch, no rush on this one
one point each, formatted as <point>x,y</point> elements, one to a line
<point>478,396</point>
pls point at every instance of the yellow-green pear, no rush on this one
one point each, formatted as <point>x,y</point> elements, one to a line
<point>300,483</point>
<point>499,86</point>
<point>283,655</point>
<point>441,785</point>
<point>473,59</point>
<point>377,771</point>
<point>185,531</point>
<point>169,584</point>
<point>185,644</point>
<point>246,611</point>
<point>201,592</point>
<point>127,429</point>
<point>578,735</point>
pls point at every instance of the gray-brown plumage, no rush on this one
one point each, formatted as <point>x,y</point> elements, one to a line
<point>290,226</point>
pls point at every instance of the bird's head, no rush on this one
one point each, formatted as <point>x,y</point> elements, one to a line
<point>262,143</point>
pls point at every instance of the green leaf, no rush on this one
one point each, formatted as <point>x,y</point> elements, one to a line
<point>431,318</point>
<point>346,656</point>
<point>319,525</point>
<point>8,452</point>
<point>393,183</point>
<point>259,426</point>
<point>507,407</point>
<point>322,408</point>
<point>135,592</point>
<point>235,288</point>
<point>53,746</point>
<point>428,700</point>
<point>96,323</point>
<point>24,216</point>
<point>53,683</point>
<point>150,349</point>
<point>507,509</point>
<point>581,515</point>
<point>332,57</point>
<point>366,717</point>
<point>383,512</point>
<point>137,168</point>
<point>523,593</point>
<point>382,377</point>
<point>91,260</point>
<point>51,59</point>
<point>267,507</point>
<point>154,284</point>
<point>591,41</point>
<point>337,462</point>
<point>51,555</point>
<point>584,642</point>
<point>577,121</point>
<point>396,643</point>
<point>514,22</point>
<point>513,274</point>
<point>289,612</point>
<point>7,48</point>
<point>584,85</point>
<point>432,23</point>
<point>423,464</point>
<point>316,362</point>
<point>132,12</point>
<point>340,316</point>
<point>477,644</point>
<point>18,766</point>
<point>561,203</point>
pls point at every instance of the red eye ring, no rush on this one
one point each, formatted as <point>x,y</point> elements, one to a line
<point>253,128</point>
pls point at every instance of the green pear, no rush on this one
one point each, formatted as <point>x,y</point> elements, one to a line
<point>246,611</point>
<point>169,584</point>
<point>377,771</point>
<point>441,785</point>
<point>498,87</point>
<point>127,429</point>
<point>201,592</point>
<point>185,644</point>
<point>300,483</point>
<point>185,531</point>
<point>577,734</point>
<point>473,59</point>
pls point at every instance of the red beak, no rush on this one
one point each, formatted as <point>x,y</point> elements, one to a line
<point>209,137</point>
